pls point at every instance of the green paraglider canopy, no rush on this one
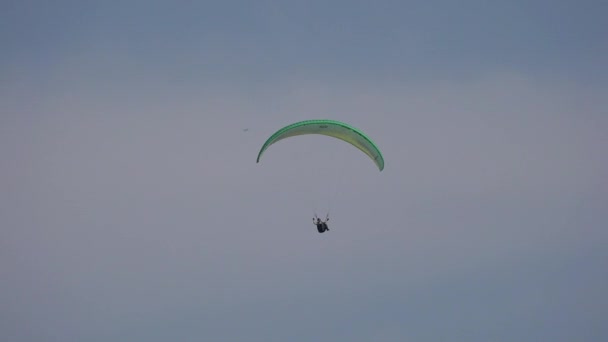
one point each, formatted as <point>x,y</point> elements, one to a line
<point>336,129</point>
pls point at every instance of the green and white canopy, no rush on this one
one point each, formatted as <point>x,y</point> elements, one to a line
<point>336,129</point>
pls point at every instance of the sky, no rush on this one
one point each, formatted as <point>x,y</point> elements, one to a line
<point>132,208</point>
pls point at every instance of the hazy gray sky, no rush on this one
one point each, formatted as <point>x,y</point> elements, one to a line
<point>132,209</point>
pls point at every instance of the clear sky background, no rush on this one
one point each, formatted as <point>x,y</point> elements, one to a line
<point>132,209</point>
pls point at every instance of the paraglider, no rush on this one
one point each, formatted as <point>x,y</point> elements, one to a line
<point>321,225</point>
<point>331,128</point>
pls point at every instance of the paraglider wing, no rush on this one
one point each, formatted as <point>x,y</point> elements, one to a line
<point>336,129</point>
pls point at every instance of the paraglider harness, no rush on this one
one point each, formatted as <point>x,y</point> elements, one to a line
<point>321,225</point>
